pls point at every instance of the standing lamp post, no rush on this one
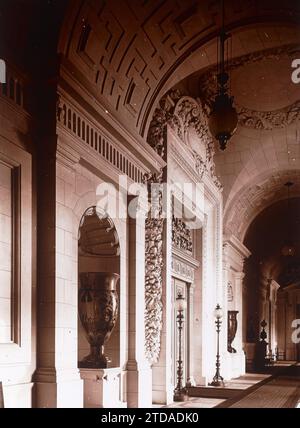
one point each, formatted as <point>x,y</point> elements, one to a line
<point>217,379</point>
<point>180,393</point>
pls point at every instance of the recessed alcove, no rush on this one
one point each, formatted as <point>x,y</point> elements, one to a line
<point>99,253</point>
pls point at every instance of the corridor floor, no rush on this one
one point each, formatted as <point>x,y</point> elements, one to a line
<point>278,393</point>
<point>257,391</point>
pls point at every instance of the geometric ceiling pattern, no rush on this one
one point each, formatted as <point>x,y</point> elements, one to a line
<point>126,52</point>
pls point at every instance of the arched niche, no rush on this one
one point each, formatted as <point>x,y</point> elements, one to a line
<point>99,253</point>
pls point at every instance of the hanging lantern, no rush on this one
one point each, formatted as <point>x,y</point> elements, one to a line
<point>223,118</point>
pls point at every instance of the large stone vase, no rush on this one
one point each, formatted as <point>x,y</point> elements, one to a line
<point>232,328</point>
<point>98,311</point>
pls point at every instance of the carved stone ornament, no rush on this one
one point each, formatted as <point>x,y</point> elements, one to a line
<point>60,111</point>
<point>186,117</point>
<point>153,271</point>
<point>182,269</point>
<point>229,292</point>
<point>261,120</point>
<point>181,235</point>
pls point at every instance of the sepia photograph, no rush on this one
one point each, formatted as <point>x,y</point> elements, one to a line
<point>149,207</point>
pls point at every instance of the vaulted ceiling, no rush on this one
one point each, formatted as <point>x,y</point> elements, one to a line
<point>130,51</point>
<point>127,54</point>
<point>133,52</point>
<point>265,151</point>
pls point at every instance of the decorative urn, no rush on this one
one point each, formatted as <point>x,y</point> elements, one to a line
<point>98,311</point>
<point>232,328</point>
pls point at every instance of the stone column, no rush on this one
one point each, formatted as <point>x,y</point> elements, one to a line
<point>239,277</point>
<point>139,376</point>
<point>234,255</point>
<point>240,366</point>
<point>211,295</point>
<point>57,378</point>
<point>226,357</point>
<point>162,369</point>
<point>274,287</point>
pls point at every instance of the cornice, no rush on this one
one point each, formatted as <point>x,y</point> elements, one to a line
<point>73,89</point>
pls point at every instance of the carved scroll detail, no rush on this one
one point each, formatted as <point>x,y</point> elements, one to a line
<point>183,114</point>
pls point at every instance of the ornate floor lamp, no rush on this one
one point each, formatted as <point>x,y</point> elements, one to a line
<point>217,379</point>
<point>180,392</point>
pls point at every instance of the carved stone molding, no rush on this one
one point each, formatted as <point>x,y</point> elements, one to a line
<point>153,271</point>
<point>268,120</point>
<point>181,235</point>
<point>187,118</point>
<point>260,120</point>
<point>74,124</point>
<point>183,270</point>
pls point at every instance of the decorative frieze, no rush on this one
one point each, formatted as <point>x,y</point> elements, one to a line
<point>153,271</point>
<point>181,235</point>
<point>268,120</point>
<point>183,270</point>
<point>260,120</point>
<point>92,136</point>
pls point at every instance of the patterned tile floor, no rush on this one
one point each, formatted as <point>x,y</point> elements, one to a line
<point>243,382</point>
<point>198,403</point>
<point>277,392</point>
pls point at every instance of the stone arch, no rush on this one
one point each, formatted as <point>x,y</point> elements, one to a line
<point>252,198</point>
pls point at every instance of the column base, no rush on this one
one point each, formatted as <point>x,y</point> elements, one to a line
<point>58,388</point>
<point>190,382</point>
<point>236,364</point>
<point>139,385</point>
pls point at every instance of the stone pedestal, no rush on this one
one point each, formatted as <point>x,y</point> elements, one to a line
<point>102,388</point>
<point>237,364</point>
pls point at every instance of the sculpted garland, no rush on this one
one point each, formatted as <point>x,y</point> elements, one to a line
<point>153,272</point>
